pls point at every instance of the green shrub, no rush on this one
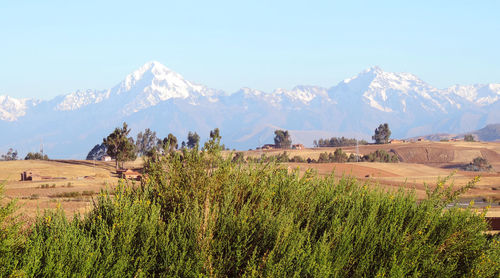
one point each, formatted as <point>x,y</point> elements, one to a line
<point>11,236</point>
<point>381,156</point>
<point>71,194</point>
<point>297,158</point>
<point>198,214</point>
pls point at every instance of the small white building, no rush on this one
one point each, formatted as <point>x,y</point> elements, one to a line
<point>106,158</point>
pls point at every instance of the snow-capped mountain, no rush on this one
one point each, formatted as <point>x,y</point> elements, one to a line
<point>11,109</point>
<point>156,97</point>
<point>145,87</point>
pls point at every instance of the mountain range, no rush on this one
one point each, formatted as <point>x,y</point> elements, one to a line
<point>156,97</point>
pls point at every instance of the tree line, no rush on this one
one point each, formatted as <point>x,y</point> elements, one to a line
<point>14,155</point>
<point>122,147</point>
<point>381,135</point>
<point>338,156</point>
<point>338,142</point>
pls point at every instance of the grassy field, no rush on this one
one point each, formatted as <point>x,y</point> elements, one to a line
<point>440,160</point>
<point>63,186</point>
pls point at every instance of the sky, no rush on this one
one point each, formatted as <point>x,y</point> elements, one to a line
<point>50,48</point>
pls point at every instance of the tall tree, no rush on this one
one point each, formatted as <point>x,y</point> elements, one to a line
<point>193,139</point>
<point>145,141</point>
<point>10,155</point>
<point>213,145</point>
<point>120,147</point>
<point>469,138</point>
<point>170,143</point>
<point>282,139</point>
<point>382,134</point>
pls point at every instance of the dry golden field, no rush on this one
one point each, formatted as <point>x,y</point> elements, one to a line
<point>423,163</point>
<point>66,183</point>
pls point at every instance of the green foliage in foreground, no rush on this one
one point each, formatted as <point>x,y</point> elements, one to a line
<point>198,214</point>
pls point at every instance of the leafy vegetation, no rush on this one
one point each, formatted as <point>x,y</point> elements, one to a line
<point>193,140</point>
<point>200,214</point>
<point>282,139</point>
<point>380,156</point>
<point>338,142</point>
<point>12,240</point>
<point>119,145</point>
<point>169,143</point>
<point>36,156</point>
<point>479,164</point>
<point>145,142</point>
<point>10,155</point>
<point>469,138</point>
<point>382,134</point>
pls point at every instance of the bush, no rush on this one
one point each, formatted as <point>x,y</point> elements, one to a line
<point>238,157</point>
<point>381,156</point>
<point>297,158</point>
<point>198,214</point>
<point>469,138</point>
<point>11,236</point>
<point>479,164</point>
<point>36,156</point>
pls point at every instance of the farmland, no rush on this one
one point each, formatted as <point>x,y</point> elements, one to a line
<point>422,163</point>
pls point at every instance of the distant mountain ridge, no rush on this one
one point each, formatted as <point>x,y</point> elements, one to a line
<point>489,133</point>
<point>156,97</point>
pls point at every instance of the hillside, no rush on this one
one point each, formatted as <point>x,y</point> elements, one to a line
<point>489,133</point>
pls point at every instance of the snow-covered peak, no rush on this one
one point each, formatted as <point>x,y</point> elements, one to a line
<point>390,91</point>
<point>153,83</point>
<point>147,86</point>
<point>375,77</point>
<point>249,92</point>
<point>152,71</point>
<point>11,108</point>
<point>303,94</point>
<point>481,94</point>
<point>80,99</point>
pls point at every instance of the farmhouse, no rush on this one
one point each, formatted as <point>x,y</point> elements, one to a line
<point>268,147</point>
<point>106,158</point>
<point>397,141</point>
<point>130,175</point>
<point>298,147</point>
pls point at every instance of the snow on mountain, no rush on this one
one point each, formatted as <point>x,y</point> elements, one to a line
<point>80,99</point>
<point>11,108</point>
<point>390,92</point>
<point>154,83</point>
<point>147,86</point>
<point>480,94</point>
<point>155,96</point>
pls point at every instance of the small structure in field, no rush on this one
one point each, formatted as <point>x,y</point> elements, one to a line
<point>268,147</point>
<point>421,139</point>
<point>106,158</point>
<point>29,175</point>
<point>130,175</point>
<point>397,141</point>
<point>298,146</point>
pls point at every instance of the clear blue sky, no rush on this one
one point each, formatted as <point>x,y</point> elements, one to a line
<point>48,48</point>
